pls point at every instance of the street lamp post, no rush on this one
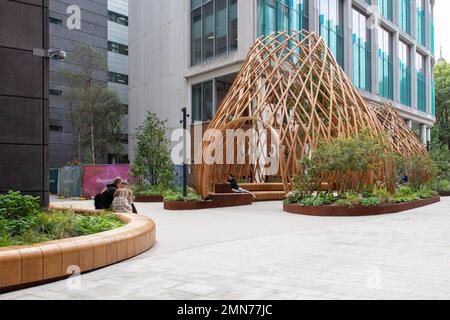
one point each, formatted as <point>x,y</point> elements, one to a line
<point>185,116</point>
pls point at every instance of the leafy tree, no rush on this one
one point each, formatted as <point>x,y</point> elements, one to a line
<point>95,110</point>
<point>442,80</point>
<point>153,164</point>
<point>347,165</point>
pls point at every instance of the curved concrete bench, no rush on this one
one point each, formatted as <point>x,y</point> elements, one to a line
<point>22,266</point>
<point>357,211</point>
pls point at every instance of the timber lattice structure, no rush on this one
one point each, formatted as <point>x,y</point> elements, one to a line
<point>292,93</point>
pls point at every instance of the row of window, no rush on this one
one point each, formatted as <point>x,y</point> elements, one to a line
<point>213,28</point>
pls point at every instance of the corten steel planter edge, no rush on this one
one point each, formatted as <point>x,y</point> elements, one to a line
<point>357,211</point>
<point>148,199</point>
<point>216,201</point>
<point>25,266</point>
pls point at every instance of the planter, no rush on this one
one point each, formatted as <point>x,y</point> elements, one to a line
<point>444,194</point>
<point>24,266</point>
<point>215,201</point>
<point>357,211</point>
<point>148,199</point>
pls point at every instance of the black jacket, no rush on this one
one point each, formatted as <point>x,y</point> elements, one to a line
<point>104,200</point>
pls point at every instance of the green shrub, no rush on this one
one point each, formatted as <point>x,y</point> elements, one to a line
<point>383,195</point>
<point>178,196</point>
<point>294,197</point>
<point>440,154</point>
<point>22,222</point>
<point>404,191</point>
<point>349,164</point>
<point>14,205</point>
<point>370,202</point>
<point>442,185</point>
<point>404,199</point>
<point>149,190</point>
<point>349,199</point>
<point>420,170</point>
<point>426,194</point>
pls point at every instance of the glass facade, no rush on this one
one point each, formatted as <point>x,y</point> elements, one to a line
<point>420,5</point>
<point>405,73</point>
<point>213,28</point>
<point>386,8</point>
<point>385,64</point>
<point>361,52</point>
<point>281,15</point>
<point>421,88</point>
<point>214,32</point>
<point>330,23</point>
<point>404,10</point>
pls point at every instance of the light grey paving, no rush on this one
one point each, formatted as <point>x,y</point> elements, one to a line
<point>259,252</point>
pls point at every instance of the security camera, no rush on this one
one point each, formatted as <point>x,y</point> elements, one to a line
<point>57,54</point>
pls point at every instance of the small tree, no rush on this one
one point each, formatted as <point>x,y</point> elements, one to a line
<point>153,163</point>
<point>95,110</point>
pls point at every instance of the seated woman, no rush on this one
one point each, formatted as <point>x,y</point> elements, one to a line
<point>123,200</point>
<point>235,187</point>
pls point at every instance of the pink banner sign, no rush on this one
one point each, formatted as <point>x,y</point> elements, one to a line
<point>96,178</point>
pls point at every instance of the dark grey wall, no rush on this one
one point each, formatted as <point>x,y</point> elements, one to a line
<point>24,97</point>
<point>94,32</point>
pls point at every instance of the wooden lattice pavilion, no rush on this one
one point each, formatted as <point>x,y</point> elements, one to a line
<point>291,93</point>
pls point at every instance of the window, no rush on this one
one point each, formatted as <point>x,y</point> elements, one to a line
<point>213,28</point>
<point>386,8</point>
<point>117,48</point>
<point>55,21</point>
<point>202,101</point>
<point>281,15</point>
<point>118,78</point>
<point>233,25</point>
<point>56,128</point>
<point>208,31</point>
<point>405,15</point>
<point>385,64</point>
<point>420,5</point>
<point>404,56</point>
<point>361,52</point>
<point>54,92</point>
<point>421,95</point>
<point>118,18</point>
<point>330,19</point>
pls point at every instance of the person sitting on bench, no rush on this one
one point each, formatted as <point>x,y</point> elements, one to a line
<point>235,187</point>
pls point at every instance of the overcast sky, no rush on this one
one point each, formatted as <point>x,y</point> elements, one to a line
<point>442,27</point>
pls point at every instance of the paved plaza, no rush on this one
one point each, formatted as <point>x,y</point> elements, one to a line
<point>259,252</point>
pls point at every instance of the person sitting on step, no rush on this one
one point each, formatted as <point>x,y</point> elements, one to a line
<point>235,187</point>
